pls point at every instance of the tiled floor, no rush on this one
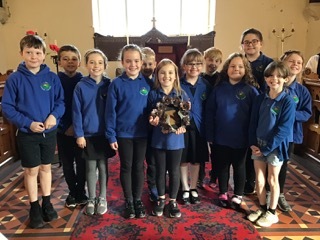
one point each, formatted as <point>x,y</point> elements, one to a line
<point>302,192</point>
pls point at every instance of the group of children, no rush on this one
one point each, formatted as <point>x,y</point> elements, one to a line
<point>252,109</point>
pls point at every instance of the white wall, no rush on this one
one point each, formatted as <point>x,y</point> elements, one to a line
<point>70,21</point>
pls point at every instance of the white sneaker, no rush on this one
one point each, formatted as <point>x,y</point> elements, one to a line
<point>102,206</point>
<point>267,219</point>
<point>254,216</point>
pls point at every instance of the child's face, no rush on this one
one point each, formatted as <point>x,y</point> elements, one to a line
<point>275,82</point>
<point>69,61</point>
<point>132,63</point>
<point>148,66</point>
<point>33,58</point>
<point>251,44</point>
<point>167,76</point>
<point>212,64</point>
<point>236,69</point>
<point>193,69</point>
<point>294,63</point>
<point>95,65</point>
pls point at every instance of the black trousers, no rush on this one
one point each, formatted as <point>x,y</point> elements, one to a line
<point>151,164</point>
<point>132,152</point>
<point>168,160</point>
<point>74,167</point>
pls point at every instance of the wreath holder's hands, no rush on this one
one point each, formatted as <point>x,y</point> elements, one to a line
<point>180,130</point>
<point>154,121</point>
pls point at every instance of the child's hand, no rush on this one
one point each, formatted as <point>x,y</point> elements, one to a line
<point>154,121</point>
<point>181,130</point>
<point>69,132</point>
<point>114,146</point>
<point>50,122</point>
<point>256,151</point>
<point>81,141</point>
<point>37,127</point>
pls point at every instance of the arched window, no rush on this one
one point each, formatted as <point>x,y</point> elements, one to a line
<point>135,17</point>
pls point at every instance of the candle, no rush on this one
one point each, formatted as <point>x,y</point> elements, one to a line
<point>188,44</point>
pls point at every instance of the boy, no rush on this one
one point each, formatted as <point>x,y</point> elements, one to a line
<point>69,59</point>
<point>33,101</point>
<point>212,59</point>
<point>147,69</point>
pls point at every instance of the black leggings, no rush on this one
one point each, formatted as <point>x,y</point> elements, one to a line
<point>168,160</point>
<point>224,158</point>
<point>132,152</point>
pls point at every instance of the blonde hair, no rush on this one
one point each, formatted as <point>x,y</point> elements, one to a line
<point>147,52</point>
<point>190,55</point>
<point>213,53</point>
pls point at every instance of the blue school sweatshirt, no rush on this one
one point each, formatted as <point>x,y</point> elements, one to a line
<point>201,89</point>
<point>271,124</point>
<point>30,97</point>
<point>301,96</point>
<point>88,107</point>
<point>169,141</point>
<point>126,108</point>
<point>68,84</point>
<point>228,112</point>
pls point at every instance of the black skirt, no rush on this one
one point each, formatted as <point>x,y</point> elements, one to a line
<point>97,147</point>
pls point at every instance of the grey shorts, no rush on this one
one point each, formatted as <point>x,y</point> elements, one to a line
<point>272,159</point>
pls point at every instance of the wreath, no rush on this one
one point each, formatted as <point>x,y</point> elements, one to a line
<point>173,113</point>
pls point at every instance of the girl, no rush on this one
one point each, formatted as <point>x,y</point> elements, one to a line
<point>302,98</point>
<point>127,131</point>
<point>167,146</point>
<point>271,125</point>
<point>228,112</point>
<point>196,147</point>
<point>88,120</point>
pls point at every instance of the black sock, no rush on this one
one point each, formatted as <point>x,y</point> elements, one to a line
<point>34,205</point>
<point>264,207</point>
<point>45,200</point>
<point>273,211</point>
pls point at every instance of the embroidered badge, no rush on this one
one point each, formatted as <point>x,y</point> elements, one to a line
<point>295,99</point>
<point>45,86</point>
<point>275,110</point>
<point>203,96</point>
<point>144,91</point>
<point>241,95</point>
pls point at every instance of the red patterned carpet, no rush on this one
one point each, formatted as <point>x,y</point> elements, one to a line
<point>203,221</point>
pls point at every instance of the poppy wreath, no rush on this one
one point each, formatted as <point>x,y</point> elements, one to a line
<point>173,113</point>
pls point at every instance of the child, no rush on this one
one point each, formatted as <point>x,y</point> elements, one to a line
<point>167,146</point>
<point>127,131</point>
<point>251,43</point>
<point>196,147</point>
<point>72,164</point>
<point>147,69</point>
<point>273,114</point>
<point>212,60</point>
<point>88,110</point>
<point>302,98</point>
<point>33,101</point>
<point>228,112</point>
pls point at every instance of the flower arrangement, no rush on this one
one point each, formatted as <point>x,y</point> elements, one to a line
<point>173,113</point>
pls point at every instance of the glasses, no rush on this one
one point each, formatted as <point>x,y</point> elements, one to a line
<point>253,42</point>
<point>198,64</point>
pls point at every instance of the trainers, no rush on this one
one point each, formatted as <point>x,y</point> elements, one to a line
<point>268,197</point>
<point>174,210</point>
<point>129,210</point>
<point>283,204</point>
<point>235,202</point>
<point>36,220</point>
<point>254,216</point>
<point>90,207</point>
<point>139,209</point>
<point>70,202</point>
<point>81,200</point>
<point>223,200</point>
<point>48,213</point>
<point>158,209</point>
<point>267,219</point>
<point>102,206</point>
<point>153,194</point>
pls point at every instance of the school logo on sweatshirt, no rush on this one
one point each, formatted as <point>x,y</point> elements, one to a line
<point>295,99</point>
<point>45,86</point>
<point>275,110</point>
<point>241,95</point>
<point>203,96</point>
<point>144,91</point>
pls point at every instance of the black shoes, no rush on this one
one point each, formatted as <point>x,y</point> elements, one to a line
<point>129,211</point>
<point>48,213</point>
<point>174,210</point>
<point>158,209</point>
<point>139,208</point>
<point>36,220</point>
<point>193,199</point>
<point>71,202</point>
